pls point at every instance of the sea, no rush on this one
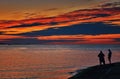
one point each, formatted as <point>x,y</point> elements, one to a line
<point>50,61</point>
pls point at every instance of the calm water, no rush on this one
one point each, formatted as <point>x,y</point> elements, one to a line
<point>49,61</point>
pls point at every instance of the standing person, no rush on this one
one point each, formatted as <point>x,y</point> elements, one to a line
<point>101,58</point>
<point>109,55</point>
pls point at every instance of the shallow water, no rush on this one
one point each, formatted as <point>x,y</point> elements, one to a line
<point>49,61</point>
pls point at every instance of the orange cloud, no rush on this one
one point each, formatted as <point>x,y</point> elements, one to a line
<point>83,39</point>
<point>77,37</point>
<point>23,30</point>
<point>8,37</point>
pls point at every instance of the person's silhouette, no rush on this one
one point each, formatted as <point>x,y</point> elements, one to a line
<point>109,55</point>
<point>101,58</point>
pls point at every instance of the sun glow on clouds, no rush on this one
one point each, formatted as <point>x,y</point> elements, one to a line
<point>23,30</point>
<point>12,29</point>
<point>77,37</point>
<point>7,37</point>
<point>83,39</point>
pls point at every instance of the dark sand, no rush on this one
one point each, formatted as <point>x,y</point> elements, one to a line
<point>109,71</point>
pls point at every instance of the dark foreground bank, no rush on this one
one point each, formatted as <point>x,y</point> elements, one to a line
<point>99,72</point>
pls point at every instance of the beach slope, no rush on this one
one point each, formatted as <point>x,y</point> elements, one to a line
<point>108,71</point>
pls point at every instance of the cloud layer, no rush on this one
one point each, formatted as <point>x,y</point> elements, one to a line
<point>85,26</point>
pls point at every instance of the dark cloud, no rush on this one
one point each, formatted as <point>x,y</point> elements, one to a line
<point>33,15</point>
<point>86,29</point>
<point>114,4</point>
<point>117,39</point>
<point>102,15</point>
<point>26,25</point>
<point>96,16</point>
<point>35,24</point>
<point>6,21</point>
<point>93,13</point>
<point>51,9</point>
<point>115,20</point>
<point>29,15</point>
<point>1,33</point>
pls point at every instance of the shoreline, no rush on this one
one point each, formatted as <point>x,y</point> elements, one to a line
<point>108,71</point>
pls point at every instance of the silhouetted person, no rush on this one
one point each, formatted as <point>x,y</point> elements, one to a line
<point>101,58</point>
<point>109,55</point>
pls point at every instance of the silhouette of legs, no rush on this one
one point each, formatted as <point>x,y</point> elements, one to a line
<point>109,60</point>
<point>102,62</point>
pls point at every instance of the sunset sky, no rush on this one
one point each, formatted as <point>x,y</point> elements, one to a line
<point>59,22</point>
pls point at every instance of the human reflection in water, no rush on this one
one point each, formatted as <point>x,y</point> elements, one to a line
<point>101,58</point>
<point>109,55</point>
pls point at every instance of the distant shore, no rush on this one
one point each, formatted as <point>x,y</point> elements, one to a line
<point>108,71</point>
